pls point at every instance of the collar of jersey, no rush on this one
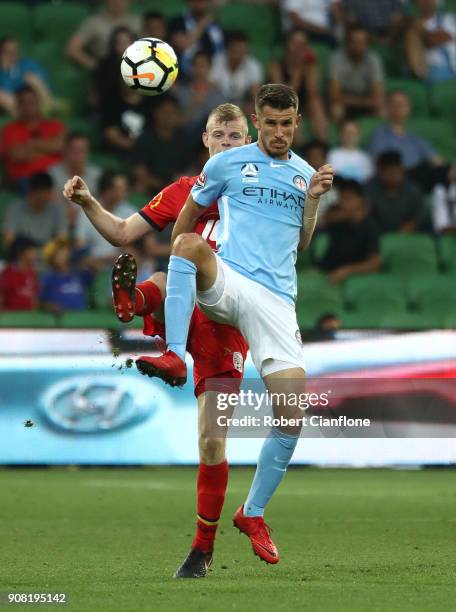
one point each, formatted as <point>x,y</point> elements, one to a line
<point>273,159</point>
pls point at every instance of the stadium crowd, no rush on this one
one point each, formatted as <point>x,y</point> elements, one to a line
<point>376,83</point>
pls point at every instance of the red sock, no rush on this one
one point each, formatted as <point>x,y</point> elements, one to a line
<point>148,298</point>
<point>211,488</point>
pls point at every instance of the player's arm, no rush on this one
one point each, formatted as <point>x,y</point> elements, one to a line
<point>320,183</point>
<point>188,216</point>
<point>117,231</point>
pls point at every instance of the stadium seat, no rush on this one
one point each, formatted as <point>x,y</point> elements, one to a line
<point>439,132</point>
<point>71,83</point>
<point>405,254</point>
<point>170,8</point>
<point>367,126</point>
<point>56,22</point>
<point>429,289</point>
<point>364,291</point>
<point>86,126</point>
<point>107,162</point>
<point>15,20</point>
<point>417,91</point>
<point>447,252</point>
<point>312,282</point>
<point>443,99</point>
<point>91,319</point>
<point>26,319</point>
<point>6,197</point>
<point>318,246</point>
<point>100,291</point>
<point>316,297</point>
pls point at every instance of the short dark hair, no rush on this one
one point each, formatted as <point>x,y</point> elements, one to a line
<point>40,180</point>
<point>234,36</point>
<point>24,90</point>
<point>314,144</point>
<point>153,15</point>
<point>276,95</point>
<point>106,180</point>
<point>388,159</point>
<point>352,186</point>
<point>19,246</point>
<point>75,136</point>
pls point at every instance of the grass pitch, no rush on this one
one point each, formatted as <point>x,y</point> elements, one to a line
<point>349,540</point>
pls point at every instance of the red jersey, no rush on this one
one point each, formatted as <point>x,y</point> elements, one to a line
<point>19,288</point>
<point>18,132</point>
<point>218,351</point>
<point>165,207</point>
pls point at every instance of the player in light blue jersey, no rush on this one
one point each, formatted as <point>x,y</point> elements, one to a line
<point>268,201</point>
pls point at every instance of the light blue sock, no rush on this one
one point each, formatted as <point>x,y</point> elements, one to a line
<point>272,465</point>
<point>179,302</point>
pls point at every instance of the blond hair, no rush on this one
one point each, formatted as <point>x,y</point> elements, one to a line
<point>223,113</point>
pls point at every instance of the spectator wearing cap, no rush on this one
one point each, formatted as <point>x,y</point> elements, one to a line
<point>38,217</point>
<point>396,202</point>
<point>356,79</point>
<point>89,44</point>
<point>19,282</point>
<point>31,143</point>
<point>353,246</point>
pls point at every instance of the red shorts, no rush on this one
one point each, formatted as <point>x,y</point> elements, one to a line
<point>218,351</point>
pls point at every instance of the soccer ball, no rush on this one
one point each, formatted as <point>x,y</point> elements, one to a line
<point>149,66</point>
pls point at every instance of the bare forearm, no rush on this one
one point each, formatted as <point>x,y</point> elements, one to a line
<point>372,264</point>
<point>187,219</point>
<point>112,228</point>
<point>309,221</point>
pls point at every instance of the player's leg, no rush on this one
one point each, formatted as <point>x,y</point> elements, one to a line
<point>211,488</point>
<point>191,265</point>
<point>132,299</point>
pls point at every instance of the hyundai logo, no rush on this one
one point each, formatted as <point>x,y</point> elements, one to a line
<point>94,404</point>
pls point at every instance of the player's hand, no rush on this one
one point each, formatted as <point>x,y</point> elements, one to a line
<point>321,181</point>
<point>77,191</point>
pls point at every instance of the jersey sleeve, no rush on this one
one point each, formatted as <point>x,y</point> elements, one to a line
<point>164,208</point>
<point>210,182</point>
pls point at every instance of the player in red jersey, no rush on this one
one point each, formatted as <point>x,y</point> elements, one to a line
<point>218,351</point>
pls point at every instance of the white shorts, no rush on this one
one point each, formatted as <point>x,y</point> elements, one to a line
<point>266,321</point>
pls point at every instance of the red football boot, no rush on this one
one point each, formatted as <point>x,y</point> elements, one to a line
<point>169,367</point>
<point>124,287</point>
<point>256,529</point>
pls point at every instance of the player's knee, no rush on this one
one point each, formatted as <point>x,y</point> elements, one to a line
<point>212,450</point>
<point>189,246</point>
<point>159,279</point>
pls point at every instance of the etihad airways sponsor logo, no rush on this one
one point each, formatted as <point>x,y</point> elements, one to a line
<point>276,197</point>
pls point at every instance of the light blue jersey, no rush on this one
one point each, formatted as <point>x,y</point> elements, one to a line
<point>261,202</point>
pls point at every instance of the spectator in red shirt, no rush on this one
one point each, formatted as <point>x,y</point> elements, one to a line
<point>19,285</point>
<point>31,144</point>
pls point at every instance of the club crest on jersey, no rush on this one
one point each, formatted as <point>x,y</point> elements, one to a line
<point>250,173</point>
<point>300,182</point>
<point>201,180</point>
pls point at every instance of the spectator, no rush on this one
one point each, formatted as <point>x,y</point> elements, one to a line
<point>97,252</point>
<point>299,70</point>
<point>89,44</point>
<point>236,72</point>
<point>396,202</point>
<point>162,150</point>
<point>430,43</point>
<point>39,217</point>
<point>443,206</point>
<point>30,144</point>
<point>353,236</point>
<point>63,287</point>
<point>419,158</point>
<point>326,328</point>
<point>384,20</point>
<point>15,72</point>
<point>107,79</point>
<point>75,162</point>
<point>348,160</point>
<point>198,96</point>
<point>19,284</point>
<point>355,79</point>
<point>154,25</point>
<point>194,31</point>
<point>317,18</point>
